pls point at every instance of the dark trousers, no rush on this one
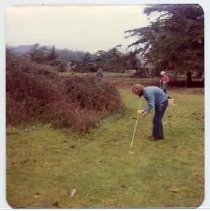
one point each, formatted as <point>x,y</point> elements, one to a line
<point>157,121</point>
<point>164,87</point>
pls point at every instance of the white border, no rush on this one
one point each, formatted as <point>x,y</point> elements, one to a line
<point>6,3</point>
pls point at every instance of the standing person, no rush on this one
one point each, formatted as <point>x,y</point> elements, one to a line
<point>99,73</point>
<point>156,99</point>
<point>164,81</point>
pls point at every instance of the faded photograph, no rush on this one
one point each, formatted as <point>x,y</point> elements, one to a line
<point>105,106</point>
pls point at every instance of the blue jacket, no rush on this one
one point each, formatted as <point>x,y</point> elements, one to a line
<point>154,96</point>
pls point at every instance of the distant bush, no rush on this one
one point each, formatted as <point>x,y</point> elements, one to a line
<point>73,102</point>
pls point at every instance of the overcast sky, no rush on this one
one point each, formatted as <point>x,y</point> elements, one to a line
<point>76,27</point>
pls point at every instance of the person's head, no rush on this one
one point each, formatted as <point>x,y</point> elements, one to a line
<point>162,73</point>
<point>138,89</point>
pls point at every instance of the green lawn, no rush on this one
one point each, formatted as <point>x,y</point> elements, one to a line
<point>45,164</point>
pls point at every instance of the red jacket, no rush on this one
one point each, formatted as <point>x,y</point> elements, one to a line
<point>164,79</point>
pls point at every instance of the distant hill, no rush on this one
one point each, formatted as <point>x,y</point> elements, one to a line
<point>64,54</point>
<point>21,49</point>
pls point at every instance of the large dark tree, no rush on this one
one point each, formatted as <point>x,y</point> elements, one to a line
<point>175,40</point>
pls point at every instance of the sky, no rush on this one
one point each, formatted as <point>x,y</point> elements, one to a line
<point>76,27</point>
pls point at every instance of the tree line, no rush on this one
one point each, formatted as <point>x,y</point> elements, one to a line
<point>173,41</point>
<point>112,60</point>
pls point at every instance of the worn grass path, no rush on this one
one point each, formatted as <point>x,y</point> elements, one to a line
<point>44,164</point>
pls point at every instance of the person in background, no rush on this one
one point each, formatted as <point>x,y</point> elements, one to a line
<point>99,73</point>
<point>164,84</point>
<point>164,81</point>
<point>156,99</point>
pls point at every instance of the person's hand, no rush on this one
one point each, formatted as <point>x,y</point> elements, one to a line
<point>142,112</point>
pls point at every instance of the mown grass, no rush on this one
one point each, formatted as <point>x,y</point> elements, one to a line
<point>45,164</point>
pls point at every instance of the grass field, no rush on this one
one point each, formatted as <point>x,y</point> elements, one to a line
<point>45,164</point>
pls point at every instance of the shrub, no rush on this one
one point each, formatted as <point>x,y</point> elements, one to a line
<point>67,115</point>
<point>90,93</point>
<point>16,113</point>
<point>72,102</point>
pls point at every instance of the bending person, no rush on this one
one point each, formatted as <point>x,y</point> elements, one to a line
<point>156,99</point>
